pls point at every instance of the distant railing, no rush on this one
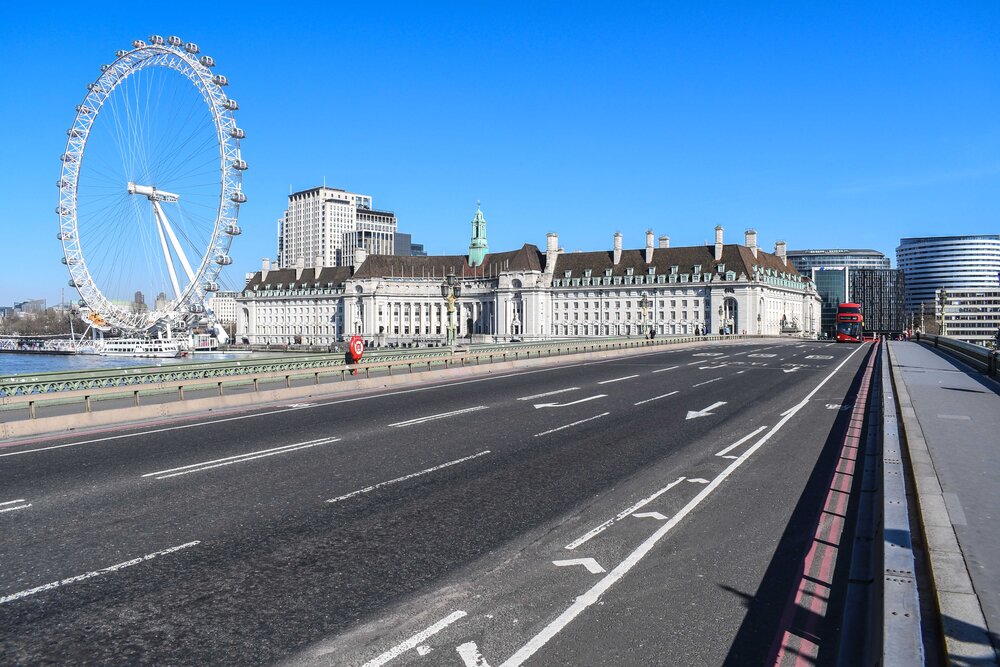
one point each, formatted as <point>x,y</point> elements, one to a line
<point>977,356</point>
<point>34,390</point>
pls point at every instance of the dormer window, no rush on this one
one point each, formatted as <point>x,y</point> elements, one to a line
<point>586,273</point>
<point>697,268</point>
<point>629,271</point>
<point>722,268</point>
<point>674,269</point>
<point>651,271</point>
<point>607,272</point>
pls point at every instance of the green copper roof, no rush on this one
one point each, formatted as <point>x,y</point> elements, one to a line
<point>478,246</point>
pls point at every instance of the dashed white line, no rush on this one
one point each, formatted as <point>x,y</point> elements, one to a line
<point>548,393</point>
<point>582,421</point>
<point>627,377</point>
<point>415,640</point>
<point>621,515</point>
<point>590,597</point>
<point>13,502</point>
<point>429,418</point>
<point>470,655</point>
<point>239,458</point>
<point>368,489</point>
<point>663,370</point>
<point>655,398</point>
<point>739,442</point>
<point>706,382</point>
<point>80,577</point>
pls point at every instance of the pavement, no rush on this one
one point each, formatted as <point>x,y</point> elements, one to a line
<point>655,509</point>
<point>951,417</point>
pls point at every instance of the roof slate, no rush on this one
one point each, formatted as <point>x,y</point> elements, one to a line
<point>286,277</point>
<point>527,258</point>
<point>737,258</point>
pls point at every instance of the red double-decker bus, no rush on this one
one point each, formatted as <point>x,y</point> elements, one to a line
<point>849,323</point>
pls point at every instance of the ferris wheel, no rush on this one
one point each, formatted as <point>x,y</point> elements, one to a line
<point>151,187</point>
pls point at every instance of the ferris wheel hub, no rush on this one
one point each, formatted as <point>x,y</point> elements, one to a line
<point>151,193</point>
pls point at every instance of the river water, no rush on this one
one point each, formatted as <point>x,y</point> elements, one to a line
<point>17,364</point>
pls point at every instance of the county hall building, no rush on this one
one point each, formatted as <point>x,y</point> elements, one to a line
<point>531,294</point>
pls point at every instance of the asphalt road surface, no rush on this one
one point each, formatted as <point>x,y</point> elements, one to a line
<point>653,509</point>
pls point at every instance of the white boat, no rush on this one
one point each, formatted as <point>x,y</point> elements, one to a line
<point>148,348</point>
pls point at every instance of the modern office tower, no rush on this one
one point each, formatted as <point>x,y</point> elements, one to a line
<point>323,226</point>
<point>805,260</point>
<point>831,269</point>
<point>953,263</point>
<point>881,293</point>
<point>969,315</point>
<point>404,246</point>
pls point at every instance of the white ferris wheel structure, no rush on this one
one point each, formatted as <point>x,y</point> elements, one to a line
<point>151,187</point>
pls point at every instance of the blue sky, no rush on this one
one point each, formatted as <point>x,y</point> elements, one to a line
<point>824,124</point>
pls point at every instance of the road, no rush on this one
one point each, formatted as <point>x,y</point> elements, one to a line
<point>653,509</point>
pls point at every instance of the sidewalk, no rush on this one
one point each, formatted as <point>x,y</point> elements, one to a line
<point>954,446</point>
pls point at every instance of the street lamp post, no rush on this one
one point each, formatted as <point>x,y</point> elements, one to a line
<point>451,290</point>
<point>644,304</point>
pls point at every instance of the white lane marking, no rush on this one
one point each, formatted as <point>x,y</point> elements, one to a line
<point>627,377</point>
<point>430,418</point>
<point>300,405</point>
<point>790,370</point>
<point>739,442</point>
<point>415,640</point>
<point>16,507</point>
<point>592,565</point>
<point>663,370</point>
<point>650,515</point>
<point>655,398</point>
<point>763,356</point>
<point>563,405</point>
<point>548,393</point>
<point>368,489</point>
<point>959,417</point>
<point>423,650</point>
<point>597,590</point>
<point>819,356</point>
<point>80,577</point>
<point>711,368</point>
<point>470,655</point>
<point>740,372</point>
<point>706,382</point>
<point>238,458</point>
<point>698,480</point>
<point>582,421</point>
<point>11,502</point>
<point>708,354</point>
<point>621,515</point>
<point>341,401</point>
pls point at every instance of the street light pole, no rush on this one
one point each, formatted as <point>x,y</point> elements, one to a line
<point>450,291</point>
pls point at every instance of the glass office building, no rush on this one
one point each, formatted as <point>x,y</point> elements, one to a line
<point>953,263</point>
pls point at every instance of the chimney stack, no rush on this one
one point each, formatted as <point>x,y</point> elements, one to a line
<point>265,267</point>
<point>618,247</point>
<point>649,246</point>
<point>751,241</point>
<point>551,242</point>
<point>318,265</point>
<point>779,251</point>
<point>718,243</point>
<point>664,241</point>
<point>360,255</point>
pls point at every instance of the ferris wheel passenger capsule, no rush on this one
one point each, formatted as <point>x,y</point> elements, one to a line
<point>105,68</point>
<point>232,105</point>
<point>211,287</point>
<point>66,157</point>
<point>156,39</point>
<point>72,283</point>
<point>223,260</point>
<point>174,40</point>
<point>61,183</point>
<point>84,109</point>
<point>121,53</point>
<point>138,43</point>
<point>207,61</point>
<point>73,132</point>
<point>95,87</point>
<point>220,80</point>
<point>191,48</point>
<point>233,230</point>
<point>196,308</point>
<point>237,133</point>
<point>238,197</point>
<point>240,164</point>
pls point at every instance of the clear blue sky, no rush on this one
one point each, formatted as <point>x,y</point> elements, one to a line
<point>824,124</point>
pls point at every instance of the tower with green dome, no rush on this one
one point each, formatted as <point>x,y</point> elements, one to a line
<point>478,247</point>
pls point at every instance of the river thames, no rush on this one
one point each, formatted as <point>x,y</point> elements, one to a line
<point>19,364</point>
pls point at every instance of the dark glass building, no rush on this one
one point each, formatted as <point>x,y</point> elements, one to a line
<point>882,294</point>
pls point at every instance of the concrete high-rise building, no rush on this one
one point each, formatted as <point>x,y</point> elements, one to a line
<point>324,226</point>
<point>805,260</point>
<point>952,263</point>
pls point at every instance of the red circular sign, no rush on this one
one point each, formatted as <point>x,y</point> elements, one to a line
<point>357,348</point>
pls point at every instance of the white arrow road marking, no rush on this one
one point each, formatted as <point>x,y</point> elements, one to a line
<point>627,377</point>
<point>739,442</point>
<point>592,566</point>
<point>563,405</point>
<point>470,655</point>
<point>423,650</point>
<point>576,423</point>
<point>239,458</point>
<point>621,515</point>
<point>428,418</point>
<point>415,640</point>
<point>548,393</point>
<point>704,412</point>
<point>13,502</point>
<point>705,382</point>
<point>367,489</point>
<point>655,398</point>
<point>650,515</point>
<point>698,480</point>
<point>96,573</point>
<point>662,370</point>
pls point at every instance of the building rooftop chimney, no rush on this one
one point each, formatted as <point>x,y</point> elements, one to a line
<point>751,241</point>
<point>664,241</point>
<point>618,248</point>
<point>718,243</point>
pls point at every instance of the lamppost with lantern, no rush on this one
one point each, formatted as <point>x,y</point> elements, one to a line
<point>644,304</point>
<point>451,290</point>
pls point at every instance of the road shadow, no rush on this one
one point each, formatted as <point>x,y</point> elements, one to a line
<point>958,630</point>
<point>763,624</point>
<point>991,386</point>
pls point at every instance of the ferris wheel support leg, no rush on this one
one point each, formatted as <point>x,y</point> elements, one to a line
<point>173,241</point>
<point>166,251</point>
